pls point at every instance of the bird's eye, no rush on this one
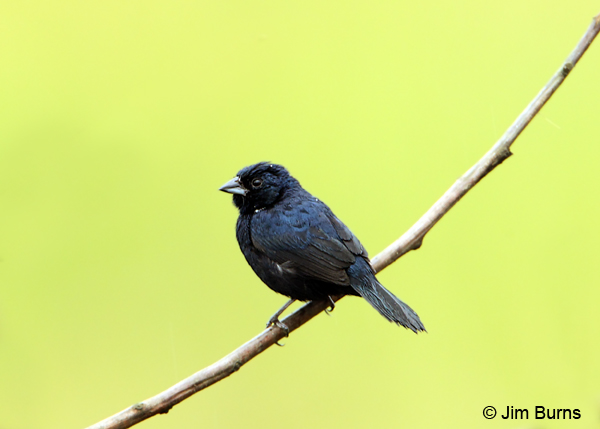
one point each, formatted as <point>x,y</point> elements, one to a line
<point>256,183</point>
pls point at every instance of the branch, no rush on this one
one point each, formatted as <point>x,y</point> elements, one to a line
<point>411,240</point>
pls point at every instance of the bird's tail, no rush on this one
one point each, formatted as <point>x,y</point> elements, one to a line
<point>386,303</point>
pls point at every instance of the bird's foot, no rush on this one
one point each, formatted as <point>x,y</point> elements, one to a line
<point>331,305</point>
<point>274,321</point>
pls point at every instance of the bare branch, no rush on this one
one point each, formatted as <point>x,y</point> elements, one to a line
<point>411,240</point>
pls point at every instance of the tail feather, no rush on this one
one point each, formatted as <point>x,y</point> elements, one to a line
<point>386,303</point>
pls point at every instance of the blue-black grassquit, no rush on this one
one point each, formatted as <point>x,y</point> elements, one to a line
<point>299,248</point>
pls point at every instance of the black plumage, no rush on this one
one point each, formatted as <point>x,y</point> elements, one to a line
<point>300,249</point>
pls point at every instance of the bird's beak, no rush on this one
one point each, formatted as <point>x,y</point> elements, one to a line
<point>234,186</point>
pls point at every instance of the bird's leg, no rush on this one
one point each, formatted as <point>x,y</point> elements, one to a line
<point>274,320</point>
<point>331,305</point>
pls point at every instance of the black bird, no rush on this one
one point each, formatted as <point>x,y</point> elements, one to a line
<point>300,249</point>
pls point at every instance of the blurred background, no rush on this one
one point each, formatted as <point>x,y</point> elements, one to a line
<point>120,273</point>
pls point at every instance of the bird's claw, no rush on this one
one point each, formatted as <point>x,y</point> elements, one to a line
<point>331,305</point>
<point>283,326</point>
<point>276,322</point>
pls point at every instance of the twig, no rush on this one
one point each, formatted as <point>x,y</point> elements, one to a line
<point>411,240</point>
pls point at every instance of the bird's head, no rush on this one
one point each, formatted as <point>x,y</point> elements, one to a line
<point>259,186</point>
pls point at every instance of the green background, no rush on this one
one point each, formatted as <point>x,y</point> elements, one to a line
<point>119,270</point>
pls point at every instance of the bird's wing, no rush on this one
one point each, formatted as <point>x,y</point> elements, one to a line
<point>309,240</point>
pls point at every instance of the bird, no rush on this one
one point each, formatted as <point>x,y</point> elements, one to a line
<point>300,249</point>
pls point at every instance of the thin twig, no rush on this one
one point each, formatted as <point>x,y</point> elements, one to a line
<point>411,240</point>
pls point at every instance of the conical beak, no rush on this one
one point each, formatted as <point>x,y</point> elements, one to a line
<point>234,186</point>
